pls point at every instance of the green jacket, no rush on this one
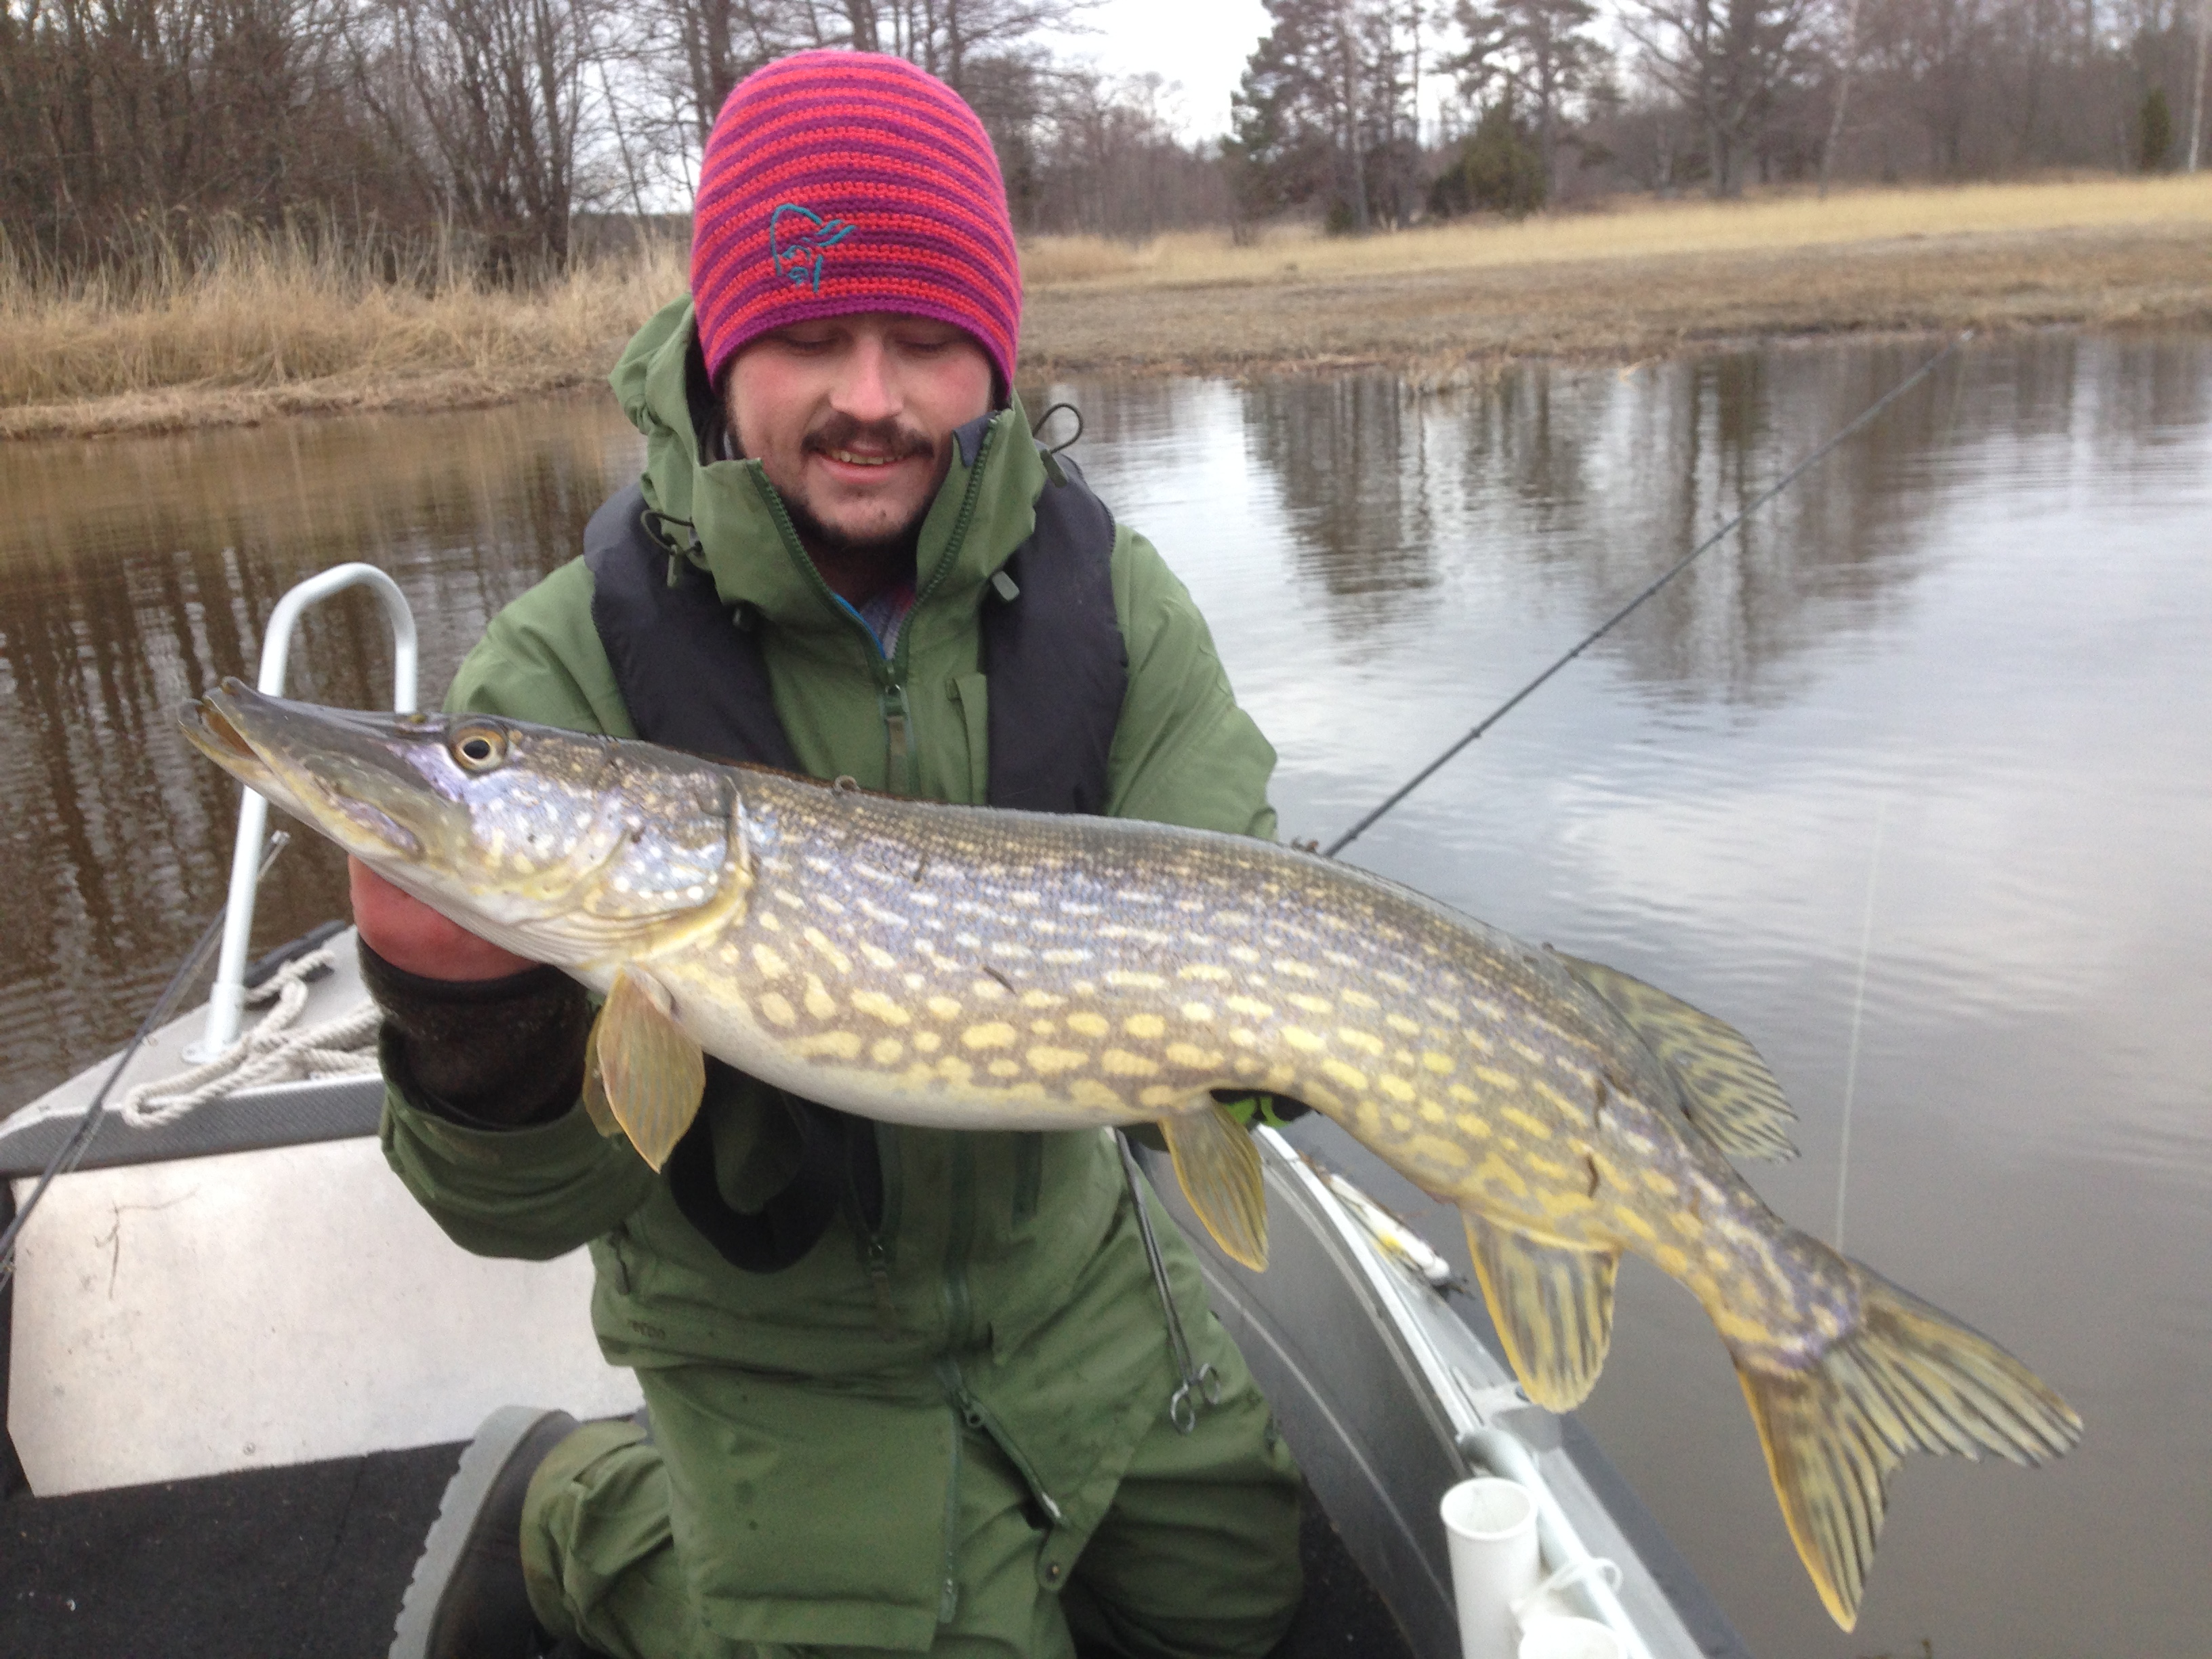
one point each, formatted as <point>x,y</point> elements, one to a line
<point>1005,1287</point>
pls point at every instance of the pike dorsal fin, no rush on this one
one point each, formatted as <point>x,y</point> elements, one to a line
<point>1727,1090</point>
<point>1220,1169</point>
<point>1553,1305</point>
<point>651,1073</point>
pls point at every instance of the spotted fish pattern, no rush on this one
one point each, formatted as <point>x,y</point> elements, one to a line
<point>967,967</point>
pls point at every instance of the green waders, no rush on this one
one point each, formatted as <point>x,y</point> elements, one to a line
<point>1196,1559</point>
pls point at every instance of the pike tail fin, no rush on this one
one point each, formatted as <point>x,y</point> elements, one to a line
<point>1910,1378</point>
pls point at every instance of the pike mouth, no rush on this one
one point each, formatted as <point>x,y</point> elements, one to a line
<point>206,730</point>
<point>343,774</point>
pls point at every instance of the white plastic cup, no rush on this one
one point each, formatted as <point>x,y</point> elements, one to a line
<point>1491,1528</point>
<point>1558,1636</point>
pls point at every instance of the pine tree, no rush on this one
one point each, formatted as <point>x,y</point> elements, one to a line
<point>1540,51</point>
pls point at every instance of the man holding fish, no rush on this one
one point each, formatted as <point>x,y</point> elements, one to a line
<point>908,1386</point>
<point>908,1389</point>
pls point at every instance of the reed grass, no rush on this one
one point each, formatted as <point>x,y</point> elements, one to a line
<point>251,322</point>
<point>248,322</point>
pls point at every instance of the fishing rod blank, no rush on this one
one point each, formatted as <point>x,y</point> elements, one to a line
<point>1864,416</point>
<point>72,1151</point>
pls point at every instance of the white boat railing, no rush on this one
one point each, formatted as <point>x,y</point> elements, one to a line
<point>227,1000</point>
<point>1472,1410</point>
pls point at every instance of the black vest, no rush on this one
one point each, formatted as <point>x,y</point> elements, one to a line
<point>693,679</point>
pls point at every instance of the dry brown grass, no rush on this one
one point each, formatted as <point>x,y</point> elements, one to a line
<point>1630,281</point>
<point>1632,229</point>
<point>267,323</point>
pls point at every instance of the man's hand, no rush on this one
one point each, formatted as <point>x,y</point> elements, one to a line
<point>416,939</point>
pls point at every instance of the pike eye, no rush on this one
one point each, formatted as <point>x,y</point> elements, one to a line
<point>479,748</point>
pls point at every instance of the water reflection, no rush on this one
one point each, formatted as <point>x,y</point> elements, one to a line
<point>1979,628</point>
<point>1352,457</point>
<point>135,575</point>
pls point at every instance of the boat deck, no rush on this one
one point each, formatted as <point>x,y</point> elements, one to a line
<point>311,1561</point>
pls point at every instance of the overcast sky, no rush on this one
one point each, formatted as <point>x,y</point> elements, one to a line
<point>1203,44</point>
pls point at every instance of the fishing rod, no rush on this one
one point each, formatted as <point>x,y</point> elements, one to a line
<point>1863,418</point>
<point>71,1151</point>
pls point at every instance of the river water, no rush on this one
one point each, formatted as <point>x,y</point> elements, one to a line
<point>1911,782</point>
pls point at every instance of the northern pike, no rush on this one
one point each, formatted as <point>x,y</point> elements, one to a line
<point>967,967</point>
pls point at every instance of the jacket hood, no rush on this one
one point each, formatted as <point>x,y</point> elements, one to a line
<point>986,508</point>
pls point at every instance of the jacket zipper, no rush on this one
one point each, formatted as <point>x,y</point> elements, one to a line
<point>978,1417</point>
<point>900,768</point>
<point>875,1253</point>
<point>959,1240</point>
<point>1028,1176</point>
<point>948,1589</point>
<point>898,755</point>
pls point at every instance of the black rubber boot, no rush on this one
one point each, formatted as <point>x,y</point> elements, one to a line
<point>466,1599</point>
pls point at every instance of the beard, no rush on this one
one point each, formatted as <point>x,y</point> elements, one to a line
<point>889,438</point>
<point>889,546</point>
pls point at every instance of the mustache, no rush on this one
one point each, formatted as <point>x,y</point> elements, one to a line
<point>887,437</point>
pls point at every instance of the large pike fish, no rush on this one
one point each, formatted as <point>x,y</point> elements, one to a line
<point>971,968</point>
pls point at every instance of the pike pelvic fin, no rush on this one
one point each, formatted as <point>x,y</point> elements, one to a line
<point>595,1090</point>
<point>1727,1088</point>
<point>651,1073</point>
<point>1911,1379</point>
<point>1221,1171</point>
<point>1552,1306</point>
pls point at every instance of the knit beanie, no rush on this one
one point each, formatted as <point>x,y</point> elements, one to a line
<point>841,181</point>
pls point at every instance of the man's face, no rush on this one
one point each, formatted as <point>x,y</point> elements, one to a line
<point>852,418</point>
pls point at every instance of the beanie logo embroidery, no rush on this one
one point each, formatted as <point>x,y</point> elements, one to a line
<point>797,237</point>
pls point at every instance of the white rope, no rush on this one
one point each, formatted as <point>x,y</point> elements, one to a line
<point>1542,1601</point>
<point>272,1052</point>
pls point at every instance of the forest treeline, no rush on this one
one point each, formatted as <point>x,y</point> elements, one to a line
<point>516,133</point>
<point>1546,99</point>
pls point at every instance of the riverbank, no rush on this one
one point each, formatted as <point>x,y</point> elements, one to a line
<point>268,326</point>
<point>1645,281</point>
<point>261,338</point>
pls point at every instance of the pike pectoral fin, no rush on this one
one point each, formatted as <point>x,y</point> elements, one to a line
<point>1731,1095</point>
<point>651,1073</point>
<point>1910,1378</point>
<point>1553,1305</point>
<point>1221,1171</point>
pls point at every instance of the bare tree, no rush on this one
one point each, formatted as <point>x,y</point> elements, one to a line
<point>2197,83</point>
<point>1930,52</point>
<point>489,96</point>
<point>1845,60</point>
<point>1726,60</point>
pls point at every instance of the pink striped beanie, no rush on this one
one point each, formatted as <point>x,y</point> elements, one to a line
<point>843,182</point>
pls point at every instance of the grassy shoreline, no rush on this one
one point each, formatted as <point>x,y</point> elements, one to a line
<point>269,331</point>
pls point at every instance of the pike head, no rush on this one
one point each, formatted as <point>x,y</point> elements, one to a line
<point>568,848</point>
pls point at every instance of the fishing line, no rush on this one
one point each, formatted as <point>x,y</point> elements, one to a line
<point>1862,419</point>
<point>1858,1009</point>
<point>71,1151</point>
